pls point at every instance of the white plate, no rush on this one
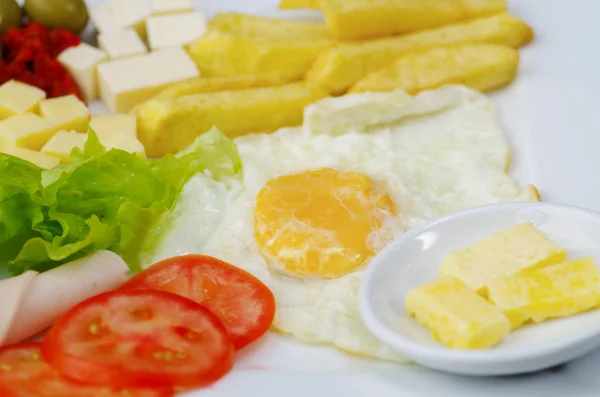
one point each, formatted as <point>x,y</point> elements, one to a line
<point>415,257</point>
<point>549,114</point>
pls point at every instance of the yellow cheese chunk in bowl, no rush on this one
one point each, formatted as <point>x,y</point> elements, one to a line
<point>554,291</point>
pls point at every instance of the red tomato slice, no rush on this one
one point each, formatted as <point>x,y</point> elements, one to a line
<point>23,373</point>
<point>243,304</point>
<point>137,338</point>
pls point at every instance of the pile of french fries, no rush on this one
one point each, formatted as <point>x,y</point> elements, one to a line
<point>258,73</point>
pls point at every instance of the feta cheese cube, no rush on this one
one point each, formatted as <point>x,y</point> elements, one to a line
<point>28,131</point>
<point>128,81</point>
<point>18,98</point>
<point>171,6</point>
<point>81,62</point>
<point>65,113</point>
<point>115,15</point>
<point>62,143</point>
<point>109,124</point>
<point>174,30</point>
<point>40,159</point>
<point>122,43</point>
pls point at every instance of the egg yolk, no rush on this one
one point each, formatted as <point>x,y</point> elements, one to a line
<point>319,222</point>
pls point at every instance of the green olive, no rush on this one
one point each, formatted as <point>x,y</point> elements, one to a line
<point>10,15</point>
<point>69,14</point>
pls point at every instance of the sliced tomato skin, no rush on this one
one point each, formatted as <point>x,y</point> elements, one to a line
<point>214,357</point>
<point>242,302</point>
<point>23,376</point>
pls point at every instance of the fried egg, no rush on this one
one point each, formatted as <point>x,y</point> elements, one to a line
<point>317,203</point>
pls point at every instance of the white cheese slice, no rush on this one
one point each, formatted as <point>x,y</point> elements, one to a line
<point>35,301</point>
<point>122,43</point>
<point>160,7</point>
<point>115,15</point>
<point>128,81</point>
<point>174,30</point>
<point>81,62</point>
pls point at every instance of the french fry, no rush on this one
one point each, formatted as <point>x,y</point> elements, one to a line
<point>482,67</point>
<point>166,125</point>
<point>268,28</point>
<point>369,19</point>
<point>294,4</point>
<point>339,67</point>
<point>206,85</point>
<point>218,53</point>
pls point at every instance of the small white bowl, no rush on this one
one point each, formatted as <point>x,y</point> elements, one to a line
<point>415,258</point>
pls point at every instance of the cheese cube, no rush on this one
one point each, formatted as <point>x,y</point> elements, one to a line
<point>124,141</point>
<point>62,143</point>
<point>110,124</point>
<point>81,62</point>
<point>176,30</point>
<point>456,315</point>
<point>65,113</point>
<point>40,159</point>
<point>502,254</point>
<point>18,98</point>
<point>171,6</point>
<point>126,82</point>
<point>553,291</point>
<point>28,131</point>
<point>115,15</point>
<point>122,43</point>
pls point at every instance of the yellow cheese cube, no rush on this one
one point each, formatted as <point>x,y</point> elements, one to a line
<point>26,131</point>
<point>65,113</point>
<point>62,143</point>
<point>368,19</point>
<point>553,291</point>
<point>40,159</point>
<point>109,124</point>
<point>456,315</point>
<point>502,254</point>
<point>18,98</point>
<point>166,125</point>
<point>124,141</point>
<point>482,67</point>
<point>341,66</point>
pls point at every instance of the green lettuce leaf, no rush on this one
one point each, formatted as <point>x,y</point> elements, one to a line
<point>102,200</point>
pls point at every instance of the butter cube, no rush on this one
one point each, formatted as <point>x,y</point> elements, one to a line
<point>28,131</point>
<point>126,82</point>
<point>62,143</point>
<point>160,7</point>
<point>40,159</point>
<point>115,15</point>
<point>456,315</point>
<point>502,254</point>
<point>109,124</point>
<point>81,62</point>
<point>553,291</point>
<point>175,30</point>
<point>65,113</point>
<point>122,43</point>
<point>123,141</point>
<point>18,98</point>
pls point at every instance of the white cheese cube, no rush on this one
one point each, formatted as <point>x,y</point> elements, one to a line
<point>126,82</point>
<point>174,30</point>
<point>110,124</point>
<point>122,43</point>
<point>81,62</point>
<point>114,15</point>
<point>171,6</point>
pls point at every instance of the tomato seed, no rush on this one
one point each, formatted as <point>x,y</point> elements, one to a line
<point>5,367</point>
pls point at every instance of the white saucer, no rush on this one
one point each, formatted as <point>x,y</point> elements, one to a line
<point>415,257</point>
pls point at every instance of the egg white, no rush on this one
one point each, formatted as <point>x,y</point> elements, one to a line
<point>438,152</point>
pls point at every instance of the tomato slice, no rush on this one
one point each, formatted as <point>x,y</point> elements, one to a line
<point>23,373</point>
<point>139,338</point>
<point>242,302</point>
